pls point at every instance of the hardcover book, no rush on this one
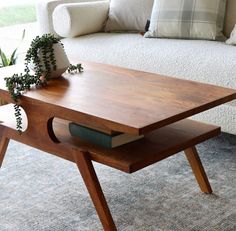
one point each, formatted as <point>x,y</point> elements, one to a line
<point>101,138</point>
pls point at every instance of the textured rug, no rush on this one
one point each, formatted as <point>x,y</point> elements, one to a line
<point>42,192</point>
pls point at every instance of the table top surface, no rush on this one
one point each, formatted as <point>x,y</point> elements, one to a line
<point>124,100</point>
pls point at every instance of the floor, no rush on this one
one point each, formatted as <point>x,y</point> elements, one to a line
<point>40,192</point>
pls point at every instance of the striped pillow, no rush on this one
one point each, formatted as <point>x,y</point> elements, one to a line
<point>190,19</point>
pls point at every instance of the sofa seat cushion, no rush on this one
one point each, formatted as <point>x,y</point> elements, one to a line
<point>203,61</point>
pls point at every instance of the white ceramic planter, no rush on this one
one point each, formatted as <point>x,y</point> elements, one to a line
<point>62,61</point>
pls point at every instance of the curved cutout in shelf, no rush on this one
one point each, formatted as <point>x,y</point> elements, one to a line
<point>51,130</point>
<point>58,128</point>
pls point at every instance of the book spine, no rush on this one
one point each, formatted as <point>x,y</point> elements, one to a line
<point>90,135</point>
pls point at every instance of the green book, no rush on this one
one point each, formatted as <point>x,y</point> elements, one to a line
<point>100,138</point>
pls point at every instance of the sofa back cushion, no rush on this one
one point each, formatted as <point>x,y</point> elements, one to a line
<point>128,15</point>
<point>230,17</point>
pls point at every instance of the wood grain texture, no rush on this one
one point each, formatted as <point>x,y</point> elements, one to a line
<point>3,144</point>
<point>113,99</point>
<point>88,173</point>
<point>198,170</point>
<point>156,145</point>
<point>124,100</point>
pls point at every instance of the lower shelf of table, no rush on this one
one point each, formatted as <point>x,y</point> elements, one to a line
<point>155,146</point>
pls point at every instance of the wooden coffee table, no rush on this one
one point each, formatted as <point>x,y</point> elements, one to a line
<point>114,99</point>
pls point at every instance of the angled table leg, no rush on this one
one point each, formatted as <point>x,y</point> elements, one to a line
<point>3,145</point>
<point>198,170</point>
<point>94,188</point>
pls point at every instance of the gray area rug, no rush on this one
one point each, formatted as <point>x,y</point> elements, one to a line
<point>42,192</point>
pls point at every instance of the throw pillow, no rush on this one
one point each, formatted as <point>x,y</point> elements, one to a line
<point>190,19</point>
<point>230,17</point>
<point>76,19</point>
<point>128,15</point>
<point>232,39</point>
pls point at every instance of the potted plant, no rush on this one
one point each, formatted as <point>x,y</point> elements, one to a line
<point>47,58</point>
<point>8,61</point>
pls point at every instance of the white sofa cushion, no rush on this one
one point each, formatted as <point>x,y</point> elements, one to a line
<point>75,19</point>
<point>232,39</point>
<point>44,10</point>
<point>200,60</point>
<point>128,15</point>
<point>198,19</point>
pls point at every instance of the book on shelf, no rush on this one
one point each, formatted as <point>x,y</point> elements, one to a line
<point>100,138</point>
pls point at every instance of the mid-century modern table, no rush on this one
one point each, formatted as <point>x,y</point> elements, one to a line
<point>114,99</point>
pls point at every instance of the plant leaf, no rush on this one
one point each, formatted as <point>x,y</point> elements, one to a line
<point>23,35</point>
<point>12,60</point>
<point>4,59</point>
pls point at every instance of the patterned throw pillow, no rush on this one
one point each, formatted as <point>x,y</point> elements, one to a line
<point>232,39</point>
<point>230,17</point>
<point>190,19</point>
<point>128,15</point>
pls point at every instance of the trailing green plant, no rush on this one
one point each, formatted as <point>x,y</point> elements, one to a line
<point>4,60</point>
<point>75,68</point>
<point>44,65</point>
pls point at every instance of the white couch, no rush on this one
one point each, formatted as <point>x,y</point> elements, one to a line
<point>198,60</point>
